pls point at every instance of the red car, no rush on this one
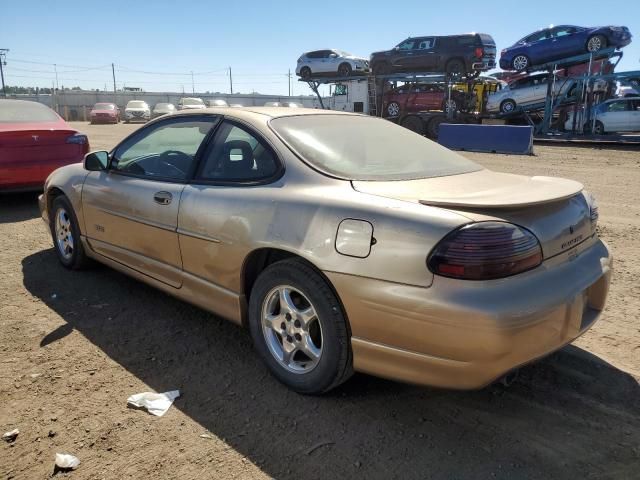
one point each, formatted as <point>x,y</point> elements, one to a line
<point>34,141</point>
<point>413,98</point>
<point>105,113</point>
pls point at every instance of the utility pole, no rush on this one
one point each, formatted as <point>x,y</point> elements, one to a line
<point>289,76</point>
<point>3,61</point>
<point>55,67</point>
<point>230,82</point>
<point>113,73</point>
<point>193,85</point>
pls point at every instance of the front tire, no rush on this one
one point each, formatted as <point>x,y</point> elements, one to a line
<point>305,72</point>
<point>413,123</point>
<point>520,63</point>
<point>596,43</point>
<point>507,106</point>
<point>65,233</point>
<point>298,328</point>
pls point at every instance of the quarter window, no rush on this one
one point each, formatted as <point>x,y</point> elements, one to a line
<point>237,155</point>
<point>166,151</point>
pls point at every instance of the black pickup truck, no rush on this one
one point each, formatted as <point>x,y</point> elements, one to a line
<point>452,54</point>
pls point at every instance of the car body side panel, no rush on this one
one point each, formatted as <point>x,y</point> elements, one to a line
<point>227,224</point>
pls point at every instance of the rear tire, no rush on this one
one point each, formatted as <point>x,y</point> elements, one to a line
<point>65,233</point>
<point>433,127</point>
<point>455,67</point>
<point>413,123</point>
<point>287,296</point>
<point>596,43</point>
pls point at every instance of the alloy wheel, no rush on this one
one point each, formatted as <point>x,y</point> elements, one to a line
<point>291,329</point>
<point>393,109</point>
<point>520,62</point>
<point>594,44</point>
<point>64,234</point>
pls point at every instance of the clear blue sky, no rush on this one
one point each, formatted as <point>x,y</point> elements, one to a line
<point>260,40</point>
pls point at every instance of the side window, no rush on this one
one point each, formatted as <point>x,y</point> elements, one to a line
<point>562,31</point>
<point>237,155</point>
<point>617,107</point>
<point>165,151</point>
<point>541,35</point>
<point>407,45</point>
<point>425,44</point>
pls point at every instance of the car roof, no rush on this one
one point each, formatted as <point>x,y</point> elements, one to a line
<point>259,113</point>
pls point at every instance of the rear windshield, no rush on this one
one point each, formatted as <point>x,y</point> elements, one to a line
<point>25,112</point>
<point>357,147</point>
<point>486,39</point>
<point>104,106</point>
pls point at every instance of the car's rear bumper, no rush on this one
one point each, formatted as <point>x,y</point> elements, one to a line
<point>26,175</point>
<point>484,64</point>
<point>465,334</point>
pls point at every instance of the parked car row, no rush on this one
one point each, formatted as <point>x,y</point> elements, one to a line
<point>466,54</point>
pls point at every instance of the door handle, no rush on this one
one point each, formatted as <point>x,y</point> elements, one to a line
<point>163,198</point>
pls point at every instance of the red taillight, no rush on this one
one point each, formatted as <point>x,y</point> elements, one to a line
<point>484,251</point>
<point>479,52</point>
<point>79,139</point>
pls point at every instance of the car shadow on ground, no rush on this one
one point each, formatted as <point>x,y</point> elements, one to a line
<point>571,415</point>
<point>18,207</point>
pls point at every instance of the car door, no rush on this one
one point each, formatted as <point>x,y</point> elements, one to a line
<point>613,116</point>
<point>405,53</point>
<point>425,57</point>
<point>564,41</point>
<point>325,61</point>
<point>226,210</point>
<point>539,48</point>
<point>634,117</point>
<point>131,209</point>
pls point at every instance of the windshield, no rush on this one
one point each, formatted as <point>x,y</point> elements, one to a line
<point>104,106</point>
<point>136,104</point>
<point>192,101</point>
<point>367,148</point>
<point>25,112</point>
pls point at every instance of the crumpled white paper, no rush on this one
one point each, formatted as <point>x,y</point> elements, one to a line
<point>155,403</point>
<point>66,461</point>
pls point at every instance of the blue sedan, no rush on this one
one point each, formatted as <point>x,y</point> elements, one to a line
<point>555,43</point>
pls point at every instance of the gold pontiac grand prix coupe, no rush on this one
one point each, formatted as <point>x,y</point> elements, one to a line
<point>342,241</point>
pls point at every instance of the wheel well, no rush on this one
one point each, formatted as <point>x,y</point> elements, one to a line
<point>460,59</point>
<point>52,194</point>
<point>258,260</point>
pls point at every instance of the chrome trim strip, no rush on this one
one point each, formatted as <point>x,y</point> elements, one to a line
<point>199,236</point>
<point>161,226</point>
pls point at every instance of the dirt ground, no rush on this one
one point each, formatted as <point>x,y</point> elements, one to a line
<point>75,345</point>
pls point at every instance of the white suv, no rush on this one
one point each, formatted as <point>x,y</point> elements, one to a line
<point>137,111</point>
<point>191,104</point>
<point>323,62</point>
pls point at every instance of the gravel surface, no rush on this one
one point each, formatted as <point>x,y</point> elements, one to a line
<point>75,345</point>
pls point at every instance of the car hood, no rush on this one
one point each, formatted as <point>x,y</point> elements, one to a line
<point>136,109</point>
<point>111,112</point>
<point>480,189</point>
<point>353,57</point>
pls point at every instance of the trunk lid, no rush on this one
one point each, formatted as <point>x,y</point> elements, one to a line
<point>553,209</point>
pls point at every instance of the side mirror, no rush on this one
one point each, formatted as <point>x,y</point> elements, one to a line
<point>96,161</point>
